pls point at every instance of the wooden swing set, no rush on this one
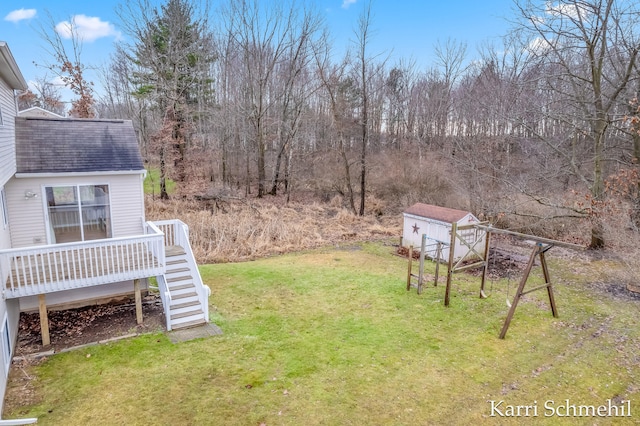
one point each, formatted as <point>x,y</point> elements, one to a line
<point>483,234</point>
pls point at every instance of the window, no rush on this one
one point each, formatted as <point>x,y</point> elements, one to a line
<point>6,345</point>
<point>78,212</point>
<point>3,207</point>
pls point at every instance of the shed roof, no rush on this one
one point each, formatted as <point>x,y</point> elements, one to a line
<point>38,112</point>
<point>68,145</point>
<point>442,214</point>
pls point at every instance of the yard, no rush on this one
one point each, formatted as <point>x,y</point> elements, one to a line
<point>331,337</point>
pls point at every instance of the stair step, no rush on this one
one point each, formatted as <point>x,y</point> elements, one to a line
<point>184,305</point>
<point>177,270</point>
<point>186,314</point>
<point>175,261</point>
<point>179,278</point>
<point>193,323</point>
<point>183,295</point>
<point>181,287</point>
<point>183,301</point>
<point>173,251</point>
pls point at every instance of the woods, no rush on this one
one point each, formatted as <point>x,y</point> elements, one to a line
<point>533,132</point>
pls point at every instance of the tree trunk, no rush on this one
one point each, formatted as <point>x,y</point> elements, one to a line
<point>597,189</point>
<point>276,171</point>
<point>164,195</point>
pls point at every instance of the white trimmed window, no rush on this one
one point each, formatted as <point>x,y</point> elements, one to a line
<point>78,212</point>
<point>6,345</point>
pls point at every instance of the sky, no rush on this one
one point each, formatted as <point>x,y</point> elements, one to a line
<point>401,29</point>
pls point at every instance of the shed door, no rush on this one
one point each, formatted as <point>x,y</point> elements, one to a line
<point>78,213</point>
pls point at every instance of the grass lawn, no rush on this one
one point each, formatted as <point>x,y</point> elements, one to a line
<point>332,337</point>
<point>151,184</point>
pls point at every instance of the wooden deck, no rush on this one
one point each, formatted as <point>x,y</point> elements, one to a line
<point>80,265</point>
<point>40,270</point>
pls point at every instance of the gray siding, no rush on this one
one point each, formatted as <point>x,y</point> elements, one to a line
<point>7,135</point>
<point>27,216</point>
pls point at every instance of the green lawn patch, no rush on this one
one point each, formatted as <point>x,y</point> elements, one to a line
<point>151,184</point>
<point>332,337</point>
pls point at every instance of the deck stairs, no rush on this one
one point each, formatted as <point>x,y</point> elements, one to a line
<point>185,304</point>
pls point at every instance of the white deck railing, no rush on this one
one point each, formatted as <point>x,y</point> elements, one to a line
<point>176,233</point>
<point>45,269</point>
<point>165,296</point>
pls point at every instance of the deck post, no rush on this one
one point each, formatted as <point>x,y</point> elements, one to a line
<point>44,320</point>
<point>136,289</point>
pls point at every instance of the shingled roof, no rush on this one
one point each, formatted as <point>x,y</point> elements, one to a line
<point>68,145</point>
<point>442,214</point>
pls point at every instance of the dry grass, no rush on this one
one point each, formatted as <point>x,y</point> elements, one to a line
<point>239,230</point>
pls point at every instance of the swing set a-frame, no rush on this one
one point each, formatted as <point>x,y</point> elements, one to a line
<point>484,232</point>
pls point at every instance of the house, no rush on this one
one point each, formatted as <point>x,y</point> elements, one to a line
<point>436,222</point>
<point>73,230</point>
<point>11,79</point>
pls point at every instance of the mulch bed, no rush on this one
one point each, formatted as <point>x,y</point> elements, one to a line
<point>90,324</point>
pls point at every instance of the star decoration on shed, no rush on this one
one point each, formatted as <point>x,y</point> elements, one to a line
<point>415,228</point>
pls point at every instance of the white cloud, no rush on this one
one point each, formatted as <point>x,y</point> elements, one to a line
<point>88,28</point>
<point>20,15</point>
<point>539,46</point>
<point>347,3</point>
<point>569,10</point>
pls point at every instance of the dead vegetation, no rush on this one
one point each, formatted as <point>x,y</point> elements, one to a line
<point>231,230</point>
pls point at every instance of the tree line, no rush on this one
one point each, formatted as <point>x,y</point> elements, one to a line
<point>255,96</point>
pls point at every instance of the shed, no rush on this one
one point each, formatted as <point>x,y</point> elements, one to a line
<point>435,222</point>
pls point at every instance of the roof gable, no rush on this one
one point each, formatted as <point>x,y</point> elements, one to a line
<point>9,70</point>
<point>38,112</point>
<point>68,145</point>
<point>442,214</point>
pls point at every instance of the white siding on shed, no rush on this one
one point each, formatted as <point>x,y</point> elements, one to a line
<point>27,216</point>
<point>415,226</point>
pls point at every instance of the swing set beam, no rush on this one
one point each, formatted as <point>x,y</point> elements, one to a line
<point>542,245</point>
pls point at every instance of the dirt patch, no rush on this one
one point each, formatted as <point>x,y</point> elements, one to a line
<point>90,324</point>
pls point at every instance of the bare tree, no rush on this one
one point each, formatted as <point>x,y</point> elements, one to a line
<point>341,94</point>
<point>46,96</point>
<point>590,51</point>
<point>363,62</point>
<point>264,37</point>
<point>293,85</point>
<point>68,66</point>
